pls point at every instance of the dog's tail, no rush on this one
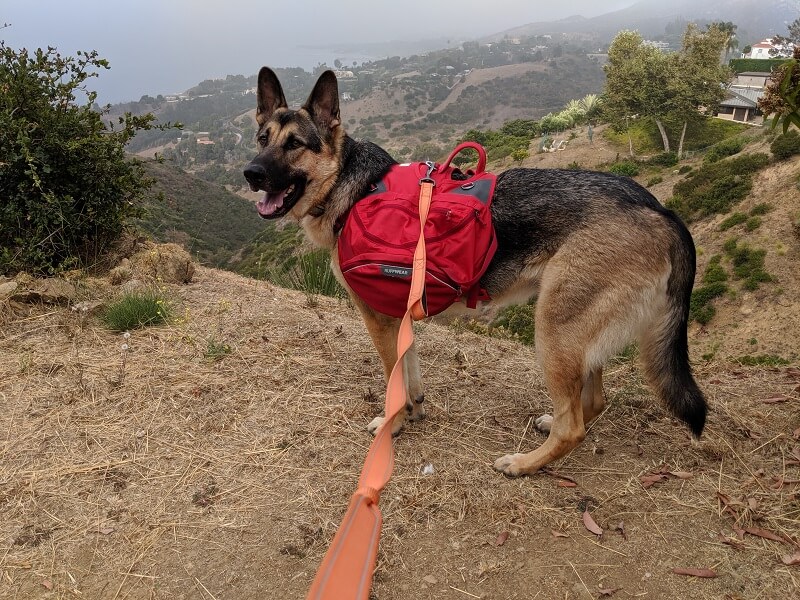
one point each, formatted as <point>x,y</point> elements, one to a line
<point>665,348</point>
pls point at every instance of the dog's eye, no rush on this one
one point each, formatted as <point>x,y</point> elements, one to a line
<point>263,139</point>
<point>293,144</point>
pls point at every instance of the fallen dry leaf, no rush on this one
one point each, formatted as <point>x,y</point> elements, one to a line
<point>653,478</point>
<point>608,591</point>
<point>501,539</point>
<point>556,533</point>
<point>764,533</point>
<point>780,482</point>
<point>48,584</point>
<point>590,524</point>
<point>775,399</point>
<point>694,572</point>
<point>106,530</point>
<point>681,474</point>
<point>565,483</point>
<point>791,559</point>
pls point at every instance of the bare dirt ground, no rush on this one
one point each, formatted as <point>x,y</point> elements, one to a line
<point>158,473</point>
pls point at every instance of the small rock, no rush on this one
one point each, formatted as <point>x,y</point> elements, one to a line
<point>430,579</point>
<point>121,273</point>
<point>131,286</point>
<point>7,288</point>
<point>88,307</point>
<point>48,291</point>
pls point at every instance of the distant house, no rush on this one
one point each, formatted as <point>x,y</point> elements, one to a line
<point>340,74</point>
<point>741,105</point>
<point>203,138</point>
<point>761,49</point>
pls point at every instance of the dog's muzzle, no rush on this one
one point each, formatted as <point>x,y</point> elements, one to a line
<point>256,176</point>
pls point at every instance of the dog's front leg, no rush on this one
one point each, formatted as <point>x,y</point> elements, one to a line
<point>383,330</point>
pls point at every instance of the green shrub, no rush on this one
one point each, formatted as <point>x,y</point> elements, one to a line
<point>684,169</point>
<point>665,159</point>
<point>716,187</point>
<point>654,180</point>
<point>625,167</point>
<point>700,308</point>
<point>714,271</point>
<point>786,145</point>
<point>762,360</point>
<point>748,264</point>
<point>752,223</point>
<point>760,209</point>
<point>735,219</point>
<point>216,350</point>
<point>137,309</point>
<point>517,319</point>
<point>66,185</point>
<point>724,149</point>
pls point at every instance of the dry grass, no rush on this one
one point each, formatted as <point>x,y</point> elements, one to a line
<point>159,473</point>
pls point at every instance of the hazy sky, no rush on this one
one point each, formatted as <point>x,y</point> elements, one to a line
<point>169,45</point>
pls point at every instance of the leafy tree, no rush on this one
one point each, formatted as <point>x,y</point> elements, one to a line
<point>668,88</point>
<point>66,186</point>
<point>729,29</point>
<point>698,85</point>
<point>636,81</point>
<point>519,155</point>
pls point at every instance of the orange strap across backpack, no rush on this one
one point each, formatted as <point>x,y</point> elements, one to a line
<point>346,571</point>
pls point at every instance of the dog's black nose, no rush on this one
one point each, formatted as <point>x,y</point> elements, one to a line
<point>256,175</point>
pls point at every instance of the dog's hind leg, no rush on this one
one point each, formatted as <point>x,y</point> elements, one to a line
<point>569,318</point>
<point>593,401</point>
<point>565,382</point>
<point>383,330</point>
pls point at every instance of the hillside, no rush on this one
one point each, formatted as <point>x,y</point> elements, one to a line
<point>763,322</point>
<point>210,222</point>
<point>653,18</point>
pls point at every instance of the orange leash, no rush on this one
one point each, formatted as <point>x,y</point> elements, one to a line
<point>346,571</point>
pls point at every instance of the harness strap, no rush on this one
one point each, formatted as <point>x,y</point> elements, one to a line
<point>346,571</point>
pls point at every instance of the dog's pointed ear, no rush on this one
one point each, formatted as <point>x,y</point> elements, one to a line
<point>270,95</point>
<point>323,103</point>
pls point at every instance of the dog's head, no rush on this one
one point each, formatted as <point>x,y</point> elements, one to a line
<point>298,158</point>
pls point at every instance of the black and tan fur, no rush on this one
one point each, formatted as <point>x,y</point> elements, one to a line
<point>607,263</point>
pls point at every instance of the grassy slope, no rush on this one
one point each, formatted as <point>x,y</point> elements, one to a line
<point>216,223</point>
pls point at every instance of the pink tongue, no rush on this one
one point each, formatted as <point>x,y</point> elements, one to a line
<point>270,203</point>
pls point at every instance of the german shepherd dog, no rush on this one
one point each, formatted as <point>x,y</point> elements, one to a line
<point>607,263</point>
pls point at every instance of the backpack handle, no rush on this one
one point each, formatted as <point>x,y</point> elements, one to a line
<point>463,146</point>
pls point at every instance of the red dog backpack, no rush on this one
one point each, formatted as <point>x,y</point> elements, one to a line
<point>376,245</point>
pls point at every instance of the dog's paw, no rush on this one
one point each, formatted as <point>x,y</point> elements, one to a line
<point>415,411</point>
<point>544,423</point>
<point>376,423</point>
<point>509,465</point>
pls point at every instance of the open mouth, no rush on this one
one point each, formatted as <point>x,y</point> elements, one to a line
<point>277,204</point>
